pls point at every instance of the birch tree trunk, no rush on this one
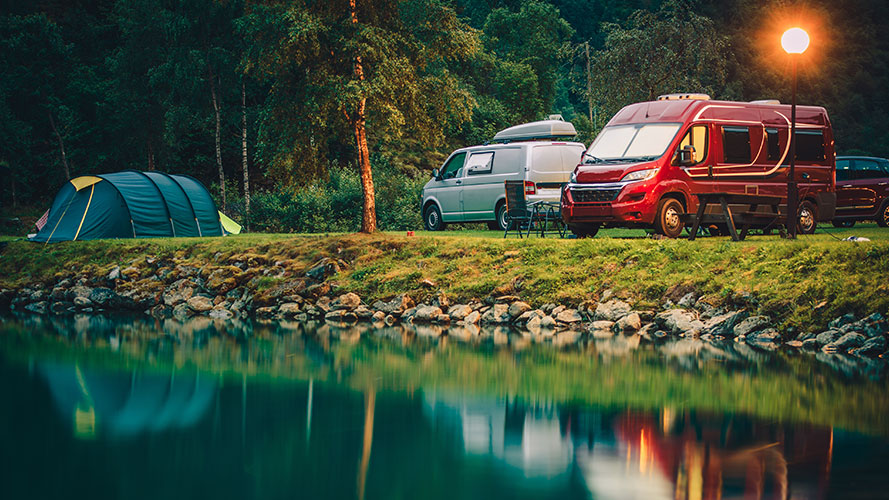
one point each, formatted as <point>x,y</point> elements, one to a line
<point>244,154</point>
<point>218,148</point>
<point>55,129</point>
<point>369,212</point>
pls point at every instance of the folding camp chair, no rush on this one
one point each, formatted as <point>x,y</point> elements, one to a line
<point>518,214</point>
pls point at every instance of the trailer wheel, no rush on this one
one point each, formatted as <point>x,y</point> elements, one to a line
<point>808,218</point>
<point>667,221</point>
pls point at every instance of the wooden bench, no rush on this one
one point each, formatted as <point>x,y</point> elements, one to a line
<point>750,217</point>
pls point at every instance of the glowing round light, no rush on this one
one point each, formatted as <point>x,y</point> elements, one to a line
<point>795,41</point>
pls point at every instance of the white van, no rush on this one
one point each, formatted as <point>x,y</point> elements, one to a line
<point>469,186</point>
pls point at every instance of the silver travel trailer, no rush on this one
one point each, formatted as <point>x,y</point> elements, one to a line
<point>469,186</point>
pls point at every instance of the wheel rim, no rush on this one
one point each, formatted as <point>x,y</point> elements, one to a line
<point>886,214</point>
<point>432,219</point>
<point>806,219</point>
<point>671,219</point>
<point>502,218</point>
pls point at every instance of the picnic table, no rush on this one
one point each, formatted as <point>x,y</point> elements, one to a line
<point>752,216</point>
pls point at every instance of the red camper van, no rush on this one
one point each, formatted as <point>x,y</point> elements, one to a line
<point>633,175</point>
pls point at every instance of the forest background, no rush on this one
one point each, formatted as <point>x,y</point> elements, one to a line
<point>271,103</point>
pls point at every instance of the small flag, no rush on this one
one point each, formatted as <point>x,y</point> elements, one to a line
<point>42,221</point>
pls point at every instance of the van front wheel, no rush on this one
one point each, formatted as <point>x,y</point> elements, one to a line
<point>432,219</point>
<point>667,222</point>
<point>584,230</point>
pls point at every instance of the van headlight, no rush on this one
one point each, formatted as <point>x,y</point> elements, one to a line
<point>573,178</point>
<point>639,175</point>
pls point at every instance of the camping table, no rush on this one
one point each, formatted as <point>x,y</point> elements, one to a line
<point>544,213</point>
<point>744,218</point>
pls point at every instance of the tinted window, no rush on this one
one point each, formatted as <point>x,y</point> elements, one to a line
<point>774,146</point>
<point>453,166</point>
<point>867,169</point>
<point>844,170</point>
<point>697,137</point>
<point>809,145</point>
<point>736,144</point>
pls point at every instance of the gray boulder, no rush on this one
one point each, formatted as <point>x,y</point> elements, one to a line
<point>288,309</point>
<point>397,305</point>
<point>426,314</point>
<point>349,301</point>
<point>104,297</point>
<point>569,316</point>
<point>518,308</point>
<point>629,323</point>
<point>498,314</point>
<point>724,324</point>
<point>843,320</point>
<point>199,304</point>
<point>871,347</point>
<point>612,310</point>
<point>827,337</point>
<point>458,312</point>
<point>846,342</point>
<point>751,325</point>
<point>678,321</point>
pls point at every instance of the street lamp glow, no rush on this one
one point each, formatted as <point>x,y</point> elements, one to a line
<point>795,41</point>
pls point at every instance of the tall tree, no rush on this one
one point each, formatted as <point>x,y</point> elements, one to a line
<point>671,50</point>
<point>369,70</point>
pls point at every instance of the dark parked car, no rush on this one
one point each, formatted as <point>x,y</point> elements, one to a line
<point>862,190</point>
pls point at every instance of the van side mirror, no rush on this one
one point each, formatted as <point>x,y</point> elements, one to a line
<point>687,156</point>
<point>435,174</point>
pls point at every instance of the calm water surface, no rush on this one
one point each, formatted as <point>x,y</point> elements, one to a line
<point>131,408</point>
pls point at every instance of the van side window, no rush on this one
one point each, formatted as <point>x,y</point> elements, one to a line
<point>844,170</point>
<point>480,163</point>
<point>736,144</point>
<point>696,136</point>
<point>810,145</point>
<point>774,145</point>
<point>453,167</point>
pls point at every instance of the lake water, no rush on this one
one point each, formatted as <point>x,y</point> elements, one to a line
<point>135,408</point>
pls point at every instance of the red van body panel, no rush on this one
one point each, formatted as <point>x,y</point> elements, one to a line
<point>597,195</point>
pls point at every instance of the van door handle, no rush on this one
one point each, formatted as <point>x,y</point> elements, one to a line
<point>459,181</point>
<point>882,183</point>
<point>846,186</point>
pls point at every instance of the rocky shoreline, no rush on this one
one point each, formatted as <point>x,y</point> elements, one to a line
<point>235,290</point>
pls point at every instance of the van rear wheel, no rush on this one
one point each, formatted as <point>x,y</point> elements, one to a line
<point>501,221</point>
<point>432,219</point>
<point>808,218</point>
<point>667,221</point>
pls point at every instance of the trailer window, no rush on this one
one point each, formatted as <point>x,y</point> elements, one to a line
<point>697,137</point>
<point>810,145</point>
<point>774,145</point>
<point>736,144</point>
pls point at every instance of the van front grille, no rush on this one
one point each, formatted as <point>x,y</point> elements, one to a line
<point>594,195</point>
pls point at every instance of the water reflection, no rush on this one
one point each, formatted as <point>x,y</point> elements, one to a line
<point>361,413</point>
<point>125,404</point>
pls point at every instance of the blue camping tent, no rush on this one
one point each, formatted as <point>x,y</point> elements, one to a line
<point>131,204</point>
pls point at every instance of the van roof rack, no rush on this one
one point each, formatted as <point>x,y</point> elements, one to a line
<point>676,97</point>
<point>545,129</point>
<point>766,101</point>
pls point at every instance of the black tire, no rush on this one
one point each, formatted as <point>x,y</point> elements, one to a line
<point>807,220</point>
<point>883,214</point>
<point>493,225</point>
<point>843,223</point>
<point>432,219</point>
<point>584,230</point>
<point>667,220</point>
<point>501,217</point>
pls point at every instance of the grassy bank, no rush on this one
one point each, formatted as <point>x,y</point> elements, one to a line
<point>802,283</point>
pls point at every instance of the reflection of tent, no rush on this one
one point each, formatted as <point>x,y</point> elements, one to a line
<point>131,204</point>
<point>123,404</point>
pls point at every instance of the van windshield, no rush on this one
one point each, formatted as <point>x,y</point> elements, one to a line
<point>644,141</point>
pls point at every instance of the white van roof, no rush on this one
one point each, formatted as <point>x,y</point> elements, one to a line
<point>545,129</point>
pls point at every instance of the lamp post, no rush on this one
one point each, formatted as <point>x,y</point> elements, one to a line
<point>795,41</point>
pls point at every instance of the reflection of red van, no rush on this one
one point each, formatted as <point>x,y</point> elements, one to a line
<point>632,175</point>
